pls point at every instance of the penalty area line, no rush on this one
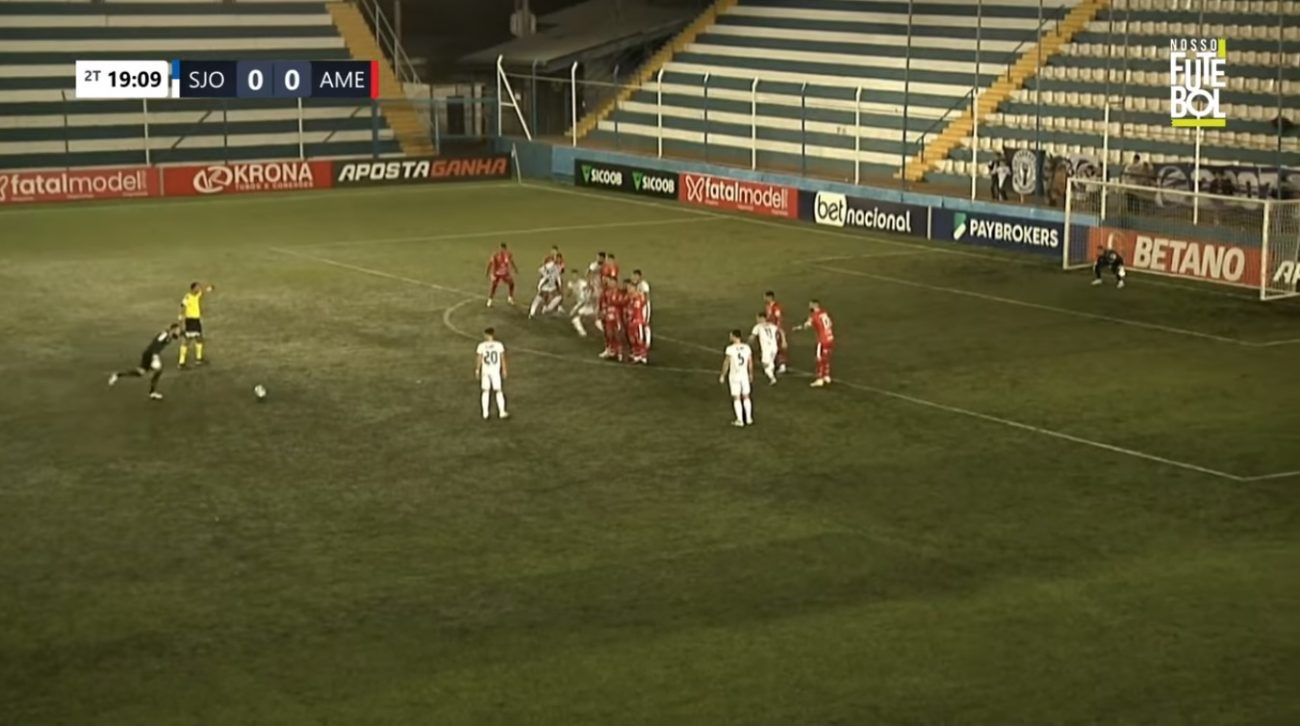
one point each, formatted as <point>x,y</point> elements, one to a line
<point>451,311</point>
<point>470,297</point>
<point>1034,306</point>
<point>915,400</point>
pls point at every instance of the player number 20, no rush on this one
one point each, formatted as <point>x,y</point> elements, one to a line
<point>490,357</point>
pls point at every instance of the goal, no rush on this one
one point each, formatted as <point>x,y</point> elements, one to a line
<point>1239,241</point>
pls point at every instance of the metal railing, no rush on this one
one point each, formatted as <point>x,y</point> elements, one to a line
<point>390,44</point>
<point>113,132</point>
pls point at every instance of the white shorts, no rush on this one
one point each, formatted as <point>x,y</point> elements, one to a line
<point>739,386</point>
<point>491,381</point>
<point>543,289</point>
<point>768,357</point>
<point>584,311</point>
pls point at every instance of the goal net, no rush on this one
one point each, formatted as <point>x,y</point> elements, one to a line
<point>1238,241</point>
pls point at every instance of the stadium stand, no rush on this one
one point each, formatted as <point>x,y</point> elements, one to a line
<point>805,60</point>
<point>1123,56</point>
<point>43,126</point>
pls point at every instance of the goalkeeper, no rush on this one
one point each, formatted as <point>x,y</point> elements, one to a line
<point>1108,258</point>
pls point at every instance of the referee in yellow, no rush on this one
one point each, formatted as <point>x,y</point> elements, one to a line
<point>192,317</point>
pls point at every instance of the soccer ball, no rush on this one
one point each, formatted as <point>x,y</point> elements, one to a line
<point>260,391</point>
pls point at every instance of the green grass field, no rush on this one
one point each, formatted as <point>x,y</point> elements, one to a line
<point>1025,499</point>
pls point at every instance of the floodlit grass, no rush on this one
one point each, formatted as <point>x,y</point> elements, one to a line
<point>1025,500</point>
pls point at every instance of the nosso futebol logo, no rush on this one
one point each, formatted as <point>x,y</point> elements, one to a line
<point>1196,77</point>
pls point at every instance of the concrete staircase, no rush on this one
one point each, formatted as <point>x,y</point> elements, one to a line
<point>1025,67</point>
<point>652,65</point>
<point>405,118</point>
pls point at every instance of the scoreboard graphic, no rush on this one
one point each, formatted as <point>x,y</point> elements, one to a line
<point>227,79</point>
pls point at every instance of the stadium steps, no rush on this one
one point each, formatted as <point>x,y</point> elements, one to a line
<point>405,120</point>
<point>647,71</point>
<point>995,95</point>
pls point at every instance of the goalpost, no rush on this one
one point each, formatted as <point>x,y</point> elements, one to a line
<point>1238,241</point>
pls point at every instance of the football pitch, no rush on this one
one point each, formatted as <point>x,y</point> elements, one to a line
<point>1023,500</point>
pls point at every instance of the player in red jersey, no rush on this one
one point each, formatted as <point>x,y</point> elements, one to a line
<point>638,323</point>
<point>820,321</point>
<point>611,305</point>
<point>610,268</point>
<point>501,268</point>
<point>555,257</point>
<point>772,311</point>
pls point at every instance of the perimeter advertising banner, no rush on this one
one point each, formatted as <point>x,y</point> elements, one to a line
<point>769,200</point>
<point>245,177</point>
<point>1200,260</point>
<point>994,230</point>
<point>426,170</point>
<point>60,185</point>
<point>833,209</point>
<point>626,179</point>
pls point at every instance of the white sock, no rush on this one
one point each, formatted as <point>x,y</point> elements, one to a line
<point>577,325</point>
<point>554,304</point>
<point>740,409</point>
<point>537,303</point>
<point>749,411</point>
<point>501,403</point>
<point>770,372</point>
<point>487,398</point>
<point>599,325</point>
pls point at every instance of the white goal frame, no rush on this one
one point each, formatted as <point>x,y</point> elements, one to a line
<point>1242,242</point>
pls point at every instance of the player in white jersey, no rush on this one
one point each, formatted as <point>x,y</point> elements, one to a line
<point>490,369</point>
<point>584,301</point>
<point>595,283</point>
<point>549,293</point>
<point>769,338</point>
<point>738,372</point>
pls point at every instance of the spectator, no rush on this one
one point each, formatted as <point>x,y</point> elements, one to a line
<point>999,177</point>
<point>1132,175</point>
<point>1060,182</point>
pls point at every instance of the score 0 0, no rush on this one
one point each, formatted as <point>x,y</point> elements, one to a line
<point>278,79</point>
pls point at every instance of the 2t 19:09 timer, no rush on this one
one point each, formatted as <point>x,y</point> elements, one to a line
<point>139,79</point>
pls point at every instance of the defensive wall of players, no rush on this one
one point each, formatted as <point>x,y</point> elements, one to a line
<point>1206,252</point>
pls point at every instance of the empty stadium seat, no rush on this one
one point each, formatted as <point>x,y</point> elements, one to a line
<point>43,125</point>
<point>797,50</point>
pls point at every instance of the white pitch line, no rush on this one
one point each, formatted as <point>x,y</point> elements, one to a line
<point>1037,306</point>
<point>449,312</point>
<point>373,273</point>
<point>469,297</point>
<point>845,258</point>
<point>1266,477</point>
<point>1275,343</point>
<point>503,233</point>
<point>866,237</point>
<point>1024,426</point>
<point>472,297</point>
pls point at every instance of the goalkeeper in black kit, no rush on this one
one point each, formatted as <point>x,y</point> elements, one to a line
<point>1108,258</point>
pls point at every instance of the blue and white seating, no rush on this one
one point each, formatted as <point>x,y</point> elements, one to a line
<point>1122,60</point>
<point>43,125</point>
<point>805,62</point>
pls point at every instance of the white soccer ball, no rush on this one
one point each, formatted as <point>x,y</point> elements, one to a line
<point>260,391</point>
